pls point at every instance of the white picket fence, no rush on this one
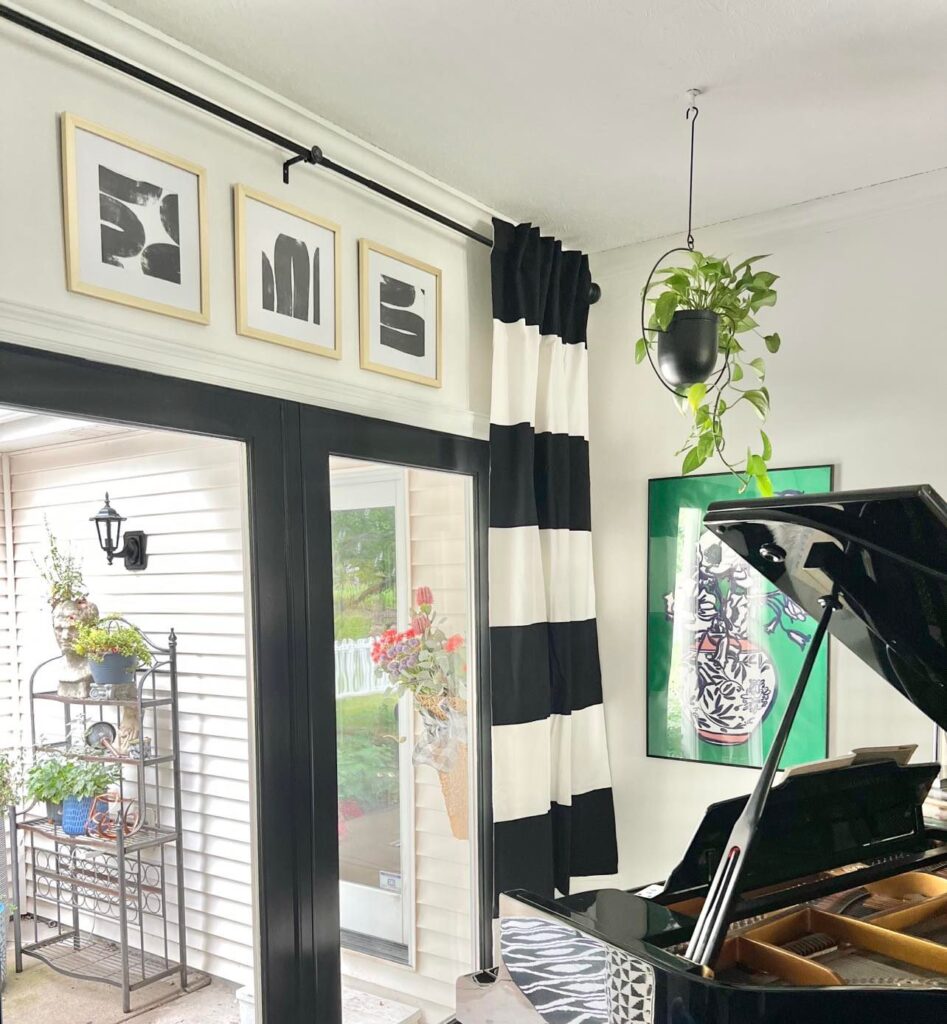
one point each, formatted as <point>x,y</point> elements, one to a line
<point>354,670</point>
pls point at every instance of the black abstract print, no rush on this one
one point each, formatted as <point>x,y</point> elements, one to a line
<point>124,236</point>
<point>289,279</point>
<point>401,327</point>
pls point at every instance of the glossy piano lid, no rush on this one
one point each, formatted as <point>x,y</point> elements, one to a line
<point>885,554</point>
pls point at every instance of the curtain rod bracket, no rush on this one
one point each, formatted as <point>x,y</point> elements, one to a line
<point>314,156</point>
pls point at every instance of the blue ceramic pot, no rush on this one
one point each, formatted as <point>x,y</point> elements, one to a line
<point>75,814</point>
<point>114,669</point>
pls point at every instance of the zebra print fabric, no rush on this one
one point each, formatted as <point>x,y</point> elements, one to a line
<point>553,814</point>
<point>571,978</point>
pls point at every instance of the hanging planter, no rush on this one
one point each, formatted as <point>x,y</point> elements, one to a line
<point>691,316</point>
<point>688,349</point>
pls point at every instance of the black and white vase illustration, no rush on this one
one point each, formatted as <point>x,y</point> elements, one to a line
<point>727,682</point>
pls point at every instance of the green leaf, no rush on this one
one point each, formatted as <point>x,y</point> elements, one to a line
<point>736,372</point>
<point>764,485</point>
<point>703,418</point>
<point>772,342</point>
<point>641,350</point>
<point>758,400</point>
<point>747,262</point>
<point>759,366</point>
<point>706,446</point>
<point>678,282</point>
<point>695,395</point>
<point>764,279</point>
<point>693,460</point>
<point>746,324</point>
<point>764,298</point>
<point>664,309</point>
<point>767,446</point>
<point>755,466</point>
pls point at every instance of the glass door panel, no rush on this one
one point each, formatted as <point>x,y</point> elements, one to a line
<point>402,597</point>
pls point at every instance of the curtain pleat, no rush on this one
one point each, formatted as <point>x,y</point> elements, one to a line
<point>553,809</point>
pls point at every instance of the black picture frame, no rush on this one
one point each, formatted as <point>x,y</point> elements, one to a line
<point>292,638</point>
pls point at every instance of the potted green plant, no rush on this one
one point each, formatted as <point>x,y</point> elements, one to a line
<point>699,311</point>
<point>68,786</point>
<point>114,648</point>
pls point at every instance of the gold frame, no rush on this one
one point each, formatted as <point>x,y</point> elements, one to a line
<point>242,192</point>
<point>364,248</point>
<point>70,124</point>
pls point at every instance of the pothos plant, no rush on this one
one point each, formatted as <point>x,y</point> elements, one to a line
<point>735,293</point>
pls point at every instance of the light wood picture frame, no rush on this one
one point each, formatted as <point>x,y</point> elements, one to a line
<point>287,267</point>
<point>135,222</point>
<point>400,308</point>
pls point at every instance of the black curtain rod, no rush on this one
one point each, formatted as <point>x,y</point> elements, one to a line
<point>304,154</point>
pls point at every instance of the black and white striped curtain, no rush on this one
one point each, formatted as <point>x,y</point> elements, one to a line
<point>552,798</point>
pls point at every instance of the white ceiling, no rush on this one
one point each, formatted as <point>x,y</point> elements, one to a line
<point>570,112</point>
<point>23,430</point>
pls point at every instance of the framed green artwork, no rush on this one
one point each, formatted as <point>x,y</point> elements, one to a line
<point>724,645</point>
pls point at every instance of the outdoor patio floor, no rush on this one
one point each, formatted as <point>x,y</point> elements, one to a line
<point>41,996</point>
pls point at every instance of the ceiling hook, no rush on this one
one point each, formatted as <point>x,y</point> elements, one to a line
<point>692,95</point>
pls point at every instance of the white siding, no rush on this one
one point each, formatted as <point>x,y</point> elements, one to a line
<point>9,704</point>
<point>187,494</point>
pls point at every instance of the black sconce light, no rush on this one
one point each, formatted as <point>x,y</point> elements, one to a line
<point>108,525</point>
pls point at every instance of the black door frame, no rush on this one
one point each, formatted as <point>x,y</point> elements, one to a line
<point>325,433</point>
<point>288,447</point>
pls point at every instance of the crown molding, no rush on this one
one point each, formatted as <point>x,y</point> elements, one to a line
<point>110,29</point>
<point>71,335</point>
<point>825,214</point>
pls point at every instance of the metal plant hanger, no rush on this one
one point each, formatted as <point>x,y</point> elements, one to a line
<point>702,308</point>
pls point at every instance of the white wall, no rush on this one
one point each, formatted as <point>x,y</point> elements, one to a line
<point>187,493</point>
<point>36,309</point>
<point>858,383</point>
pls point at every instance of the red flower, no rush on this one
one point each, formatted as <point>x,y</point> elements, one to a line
<point>423,595</point>
<point>453,642</point>
<point>419,624</point>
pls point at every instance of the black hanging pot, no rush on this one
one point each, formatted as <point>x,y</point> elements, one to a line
<point>687,350</point>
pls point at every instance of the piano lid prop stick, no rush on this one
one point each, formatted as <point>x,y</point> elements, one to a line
<point>712,924</point>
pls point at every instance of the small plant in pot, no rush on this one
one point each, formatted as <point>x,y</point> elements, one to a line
<point>114,648</point>
<point>699,312</point>
<point>68,786</point>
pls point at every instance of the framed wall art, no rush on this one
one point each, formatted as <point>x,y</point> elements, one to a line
<point>724,645</point>
<point>135,222</point>
<point>399,315</point>
<point>287,274</point>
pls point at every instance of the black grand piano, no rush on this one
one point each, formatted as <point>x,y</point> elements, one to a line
<point>819,900</point>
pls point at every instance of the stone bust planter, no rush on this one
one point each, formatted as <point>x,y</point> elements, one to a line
<point>74,674</point>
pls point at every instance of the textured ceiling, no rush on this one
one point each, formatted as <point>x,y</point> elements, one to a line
<point>570,112</point>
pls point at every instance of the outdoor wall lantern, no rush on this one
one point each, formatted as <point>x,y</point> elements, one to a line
<point>108,525</point>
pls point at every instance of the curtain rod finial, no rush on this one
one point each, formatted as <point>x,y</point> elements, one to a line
<point>595,293</point>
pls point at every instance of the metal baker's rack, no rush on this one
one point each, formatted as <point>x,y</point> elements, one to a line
<point>100,901</point>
